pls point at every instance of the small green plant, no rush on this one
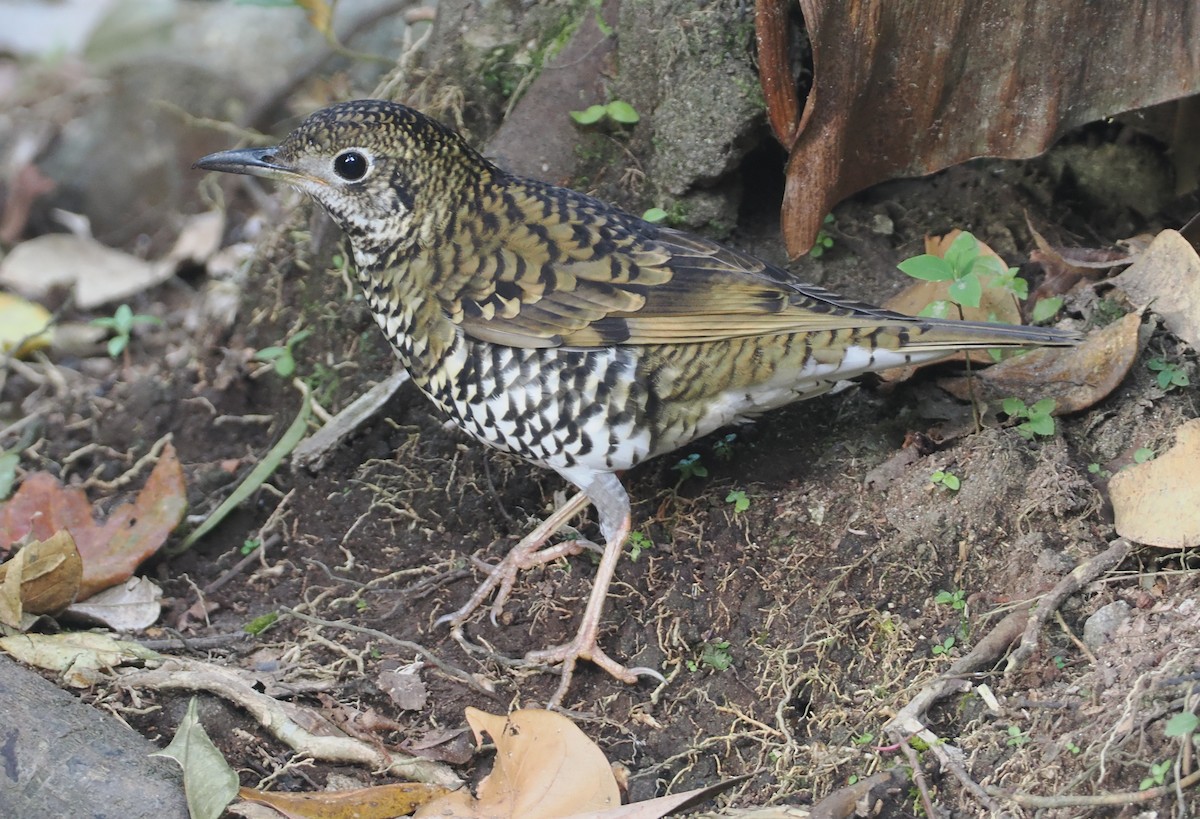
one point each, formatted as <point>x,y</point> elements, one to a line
<point>1170,376</point>
<point>638,543</point>
<point>1158,775</point>
<point>1016,737</point>
<point>283,358</point>
<point>1095,469</point>
<point>946,480</point>
<point>863,739</point>
<point>361,605</point>
<point>723,448</point>
<point>1182,724</point>
<point>250,544</point>
<point>655,215</point>
<point>1046,309</point>
<point>965,266</point>
<point>716,655</point>
<point>852,779</point>
<point>1143,454</point>
<point>956,600</point>
<point>943,647</point>
<point>1060,662</point>
<point>739,500</point>
<point>823,242</point>
<point>260,624</point>
<point>1037,418</point>
<point>690,467</point>
<point>1073,748</point>
<point>618,111</point>
<point>121,324</point>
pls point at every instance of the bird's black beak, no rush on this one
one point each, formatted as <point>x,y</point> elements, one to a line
<point>249,161</point>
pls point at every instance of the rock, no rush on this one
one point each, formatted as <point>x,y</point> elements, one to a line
<point>1101,626</point>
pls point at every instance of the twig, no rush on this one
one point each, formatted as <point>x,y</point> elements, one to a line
<point>1081,575</point>
<point>1029,800</point>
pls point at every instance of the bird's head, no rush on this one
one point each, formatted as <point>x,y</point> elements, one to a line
<point>385,172</point>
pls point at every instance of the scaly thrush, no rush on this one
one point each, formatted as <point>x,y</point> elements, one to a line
<point>553,326</point>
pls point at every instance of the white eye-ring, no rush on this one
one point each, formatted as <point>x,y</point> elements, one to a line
<point>352,164</point>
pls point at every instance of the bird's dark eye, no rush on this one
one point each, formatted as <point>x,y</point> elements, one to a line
<point>351,166</point>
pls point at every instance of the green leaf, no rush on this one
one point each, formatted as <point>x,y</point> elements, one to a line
<point>1043,407</point>
<point>940,308</point>
<point>208,782</point>
<point>117,345</point>
<point>984,263</point>
<point>962,254</point>
<point>927,268</point>
<point>655,215</point>
<point>591,115</point>
<point>1047,309</point>
<point>1143,454</point>
<point>967,291</point>
<point>123,319</point>
<point>951,482</point>
<point>622,112</point>
<point>1182,724</point>
<point>1014,407</point>
<point>1040,425</point>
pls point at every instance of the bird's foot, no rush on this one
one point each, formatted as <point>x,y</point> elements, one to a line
<point>585,647</point>
<point>525,555</point>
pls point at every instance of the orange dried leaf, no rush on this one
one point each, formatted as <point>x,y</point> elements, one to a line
<point>110,551</point>
<point>380,802</point>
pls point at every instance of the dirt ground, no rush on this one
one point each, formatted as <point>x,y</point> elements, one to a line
<point>789,632</point>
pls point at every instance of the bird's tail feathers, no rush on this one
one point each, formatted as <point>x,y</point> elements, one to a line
<point>944,334</point>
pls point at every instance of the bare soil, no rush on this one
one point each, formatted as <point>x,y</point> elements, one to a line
<point>820,595</point>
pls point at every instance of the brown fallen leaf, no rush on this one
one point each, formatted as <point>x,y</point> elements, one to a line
<point>379,802</point>
<point>1064,267</point>
<point>1075,377</point>
<point>1158,502</point>
<point>1166,277</point>
<point>546,768</point>
<point>112,550</point>
<point>42,578</point>
<point>905,88</point>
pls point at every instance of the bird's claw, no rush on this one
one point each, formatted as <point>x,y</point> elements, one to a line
<point>584,647</point>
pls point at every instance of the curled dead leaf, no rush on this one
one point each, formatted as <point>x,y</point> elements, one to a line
<point>1075,377</point>
<point>42,578</point>
<point>1166,277</point>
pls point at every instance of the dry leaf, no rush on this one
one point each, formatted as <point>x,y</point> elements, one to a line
<point>98,273</point>
<point>1166,276</point>
<point>110,551</point>
<point>42,578</point>
<point>1158,502</point>
<point>81,657</point>
<point>546,768</point>
<point>22,322</point>
<point>404,686</point>
<point>1075,377</point>
<point>132,606</point>
<point>380,802</point>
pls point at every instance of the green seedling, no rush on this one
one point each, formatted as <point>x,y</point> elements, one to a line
<point>283,358</point>
<point>739,500</point>
<point>1016,737</point>
<point>249,545</point>
<point>956,600</point>
<point>690,467</point>
<point>946,479</point>
<point>618,111</point>
<point>1046,309</point>
<point>1158,775</point>
<point>1037,418</point>
<point>655,215</point>
<point>823,242</point>
<point>1095,469</point>
<point>1169,376</point>
<point>1143,454</point>
<point>943,647</point>
<point>121,324</point>
<point>1182,724</point>
<point>716,655</point>
<point>965,266</point>
<point>638,543</point>
<point>723,448</point>
<point>260,624</point>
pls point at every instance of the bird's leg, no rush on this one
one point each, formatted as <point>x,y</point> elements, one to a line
<point>525,555</point>
<point>612,503</point>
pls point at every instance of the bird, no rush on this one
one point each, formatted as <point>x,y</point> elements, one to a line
<point>550,325</point>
